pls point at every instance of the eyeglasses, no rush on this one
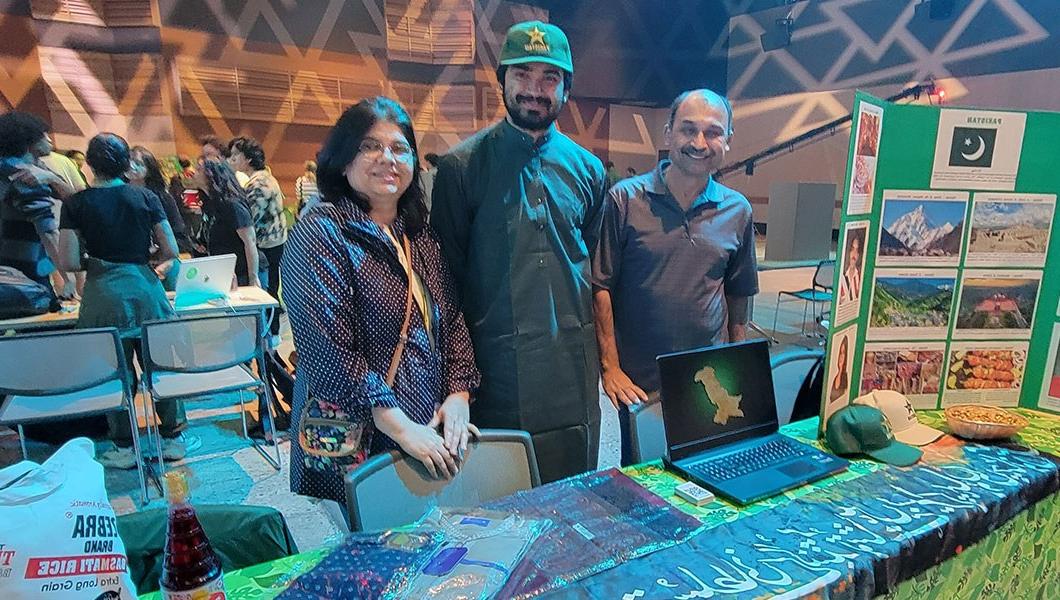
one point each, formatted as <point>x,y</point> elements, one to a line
<point>373,149</point>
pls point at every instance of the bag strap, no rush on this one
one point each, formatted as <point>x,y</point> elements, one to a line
<point>391,373</point>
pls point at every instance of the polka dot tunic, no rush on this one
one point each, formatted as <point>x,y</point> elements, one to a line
<point>345,291</point>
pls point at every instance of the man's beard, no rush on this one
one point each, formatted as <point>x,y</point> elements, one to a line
<point>536,120</point>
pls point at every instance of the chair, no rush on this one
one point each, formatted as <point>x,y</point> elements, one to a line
<point>58,375</point>
<point>185,359</point>
<point>647,437</point>
<point>820,291</point>
<point>790,369</point>
<point>394,489</point>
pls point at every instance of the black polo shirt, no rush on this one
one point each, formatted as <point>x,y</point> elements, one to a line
<point>669,270</point>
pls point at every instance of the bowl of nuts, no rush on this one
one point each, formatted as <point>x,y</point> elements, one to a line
<point>980,422</point>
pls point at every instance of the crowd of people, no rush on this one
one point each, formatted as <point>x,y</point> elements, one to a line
<point>496,286</point>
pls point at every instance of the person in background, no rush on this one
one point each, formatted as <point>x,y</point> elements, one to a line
<point>229,228</point>
<point>265,200</point>
<point>52,169</point>
<point>516,207</point>
<point>70,181</point>
<point>145,171</point>
<point>305,187</point>
<point>430,161</point>
<point>612,174</point>
<point>78,158</point>
<point>183,189</point>
<point>660,288</point>
<point>29,231</point>
<point>631,172</point>
<point>360,264</point>
<point>214,148</point>
<point>117,222</point>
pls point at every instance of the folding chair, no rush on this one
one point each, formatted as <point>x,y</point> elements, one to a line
<point>62,374</point>
<point>820,291</point>
<point>186,359</point>
<point>393,489</point>
<point>791,367</point>
<point>647,436</point>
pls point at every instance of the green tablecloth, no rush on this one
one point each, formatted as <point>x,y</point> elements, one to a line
<point>1009,561</point>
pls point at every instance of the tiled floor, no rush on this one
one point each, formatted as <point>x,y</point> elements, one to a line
<point>224,469</point>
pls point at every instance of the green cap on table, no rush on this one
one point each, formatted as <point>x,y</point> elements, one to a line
<point>534,41</point>
<point>859,429</point>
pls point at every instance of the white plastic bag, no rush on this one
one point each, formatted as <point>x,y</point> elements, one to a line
<point>58,535</point>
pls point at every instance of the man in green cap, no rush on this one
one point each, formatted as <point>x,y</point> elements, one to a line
<point>516,207</point>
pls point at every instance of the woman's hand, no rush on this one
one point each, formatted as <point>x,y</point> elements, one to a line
<point>423,443</point>
<point>454,417</point>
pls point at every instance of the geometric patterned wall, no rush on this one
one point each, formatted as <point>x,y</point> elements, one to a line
<point>881,46</point>
<point>278,70</point>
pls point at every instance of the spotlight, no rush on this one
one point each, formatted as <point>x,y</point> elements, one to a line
<point>779,36</point>
<point>936,10</point>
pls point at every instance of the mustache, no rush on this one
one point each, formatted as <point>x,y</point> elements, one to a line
<point>696,151</point>
<point>539,99</point>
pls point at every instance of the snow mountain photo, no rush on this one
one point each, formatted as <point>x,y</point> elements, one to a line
<point>916,234</point>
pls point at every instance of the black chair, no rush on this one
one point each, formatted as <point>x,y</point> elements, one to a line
<point>794,366</point>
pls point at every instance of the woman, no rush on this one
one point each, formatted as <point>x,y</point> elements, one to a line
<point>145,171</point>
<point>117,222</point>
<point>229,228</point>
<point>347,290</point>
<point>840,383</point>
<point>850,283</point>
<point>305,187</point>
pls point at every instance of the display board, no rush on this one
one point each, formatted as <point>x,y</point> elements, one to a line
<point>946,284</point>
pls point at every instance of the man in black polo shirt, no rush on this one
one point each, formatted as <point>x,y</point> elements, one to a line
<point>674,266</point>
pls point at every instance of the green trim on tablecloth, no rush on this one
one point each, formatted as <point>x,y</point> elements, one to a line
<point>662,483</point>
<point>1017,560</point>
<point>1043,433</point>
<point>266,580</point>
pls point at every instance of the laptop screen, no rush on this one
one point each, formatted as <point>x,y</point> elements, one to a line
<point>717,395</point>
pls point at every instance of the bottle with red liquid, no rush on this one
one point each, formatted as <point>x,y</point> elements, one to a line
<point>190,568</point>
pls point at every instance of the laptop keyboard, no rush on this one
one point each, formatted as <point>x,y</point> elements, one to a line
<point>749,460</point>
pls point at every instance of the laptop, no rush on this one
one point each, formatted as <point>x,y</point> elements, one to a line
<point>206,279</point>
<point>720,419</point>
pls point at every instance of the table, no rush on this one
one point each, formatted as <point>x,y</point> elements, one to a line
<point>246,298</point>
<point>1017,555</point>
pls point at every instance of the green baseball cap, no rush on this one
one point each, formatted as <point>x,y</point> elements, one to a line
<point>860,429</point>
<point>534,41</point>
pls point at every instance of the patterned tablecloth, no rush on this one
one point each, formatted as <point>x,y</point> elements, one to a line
<point>873,530</point>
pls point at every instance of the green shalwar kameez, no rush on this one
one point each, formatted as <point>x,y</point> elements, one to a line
<point>517,217</point>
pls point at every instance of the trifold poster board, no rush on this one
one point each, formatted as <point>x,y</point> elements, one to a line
<point>948,264</point>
